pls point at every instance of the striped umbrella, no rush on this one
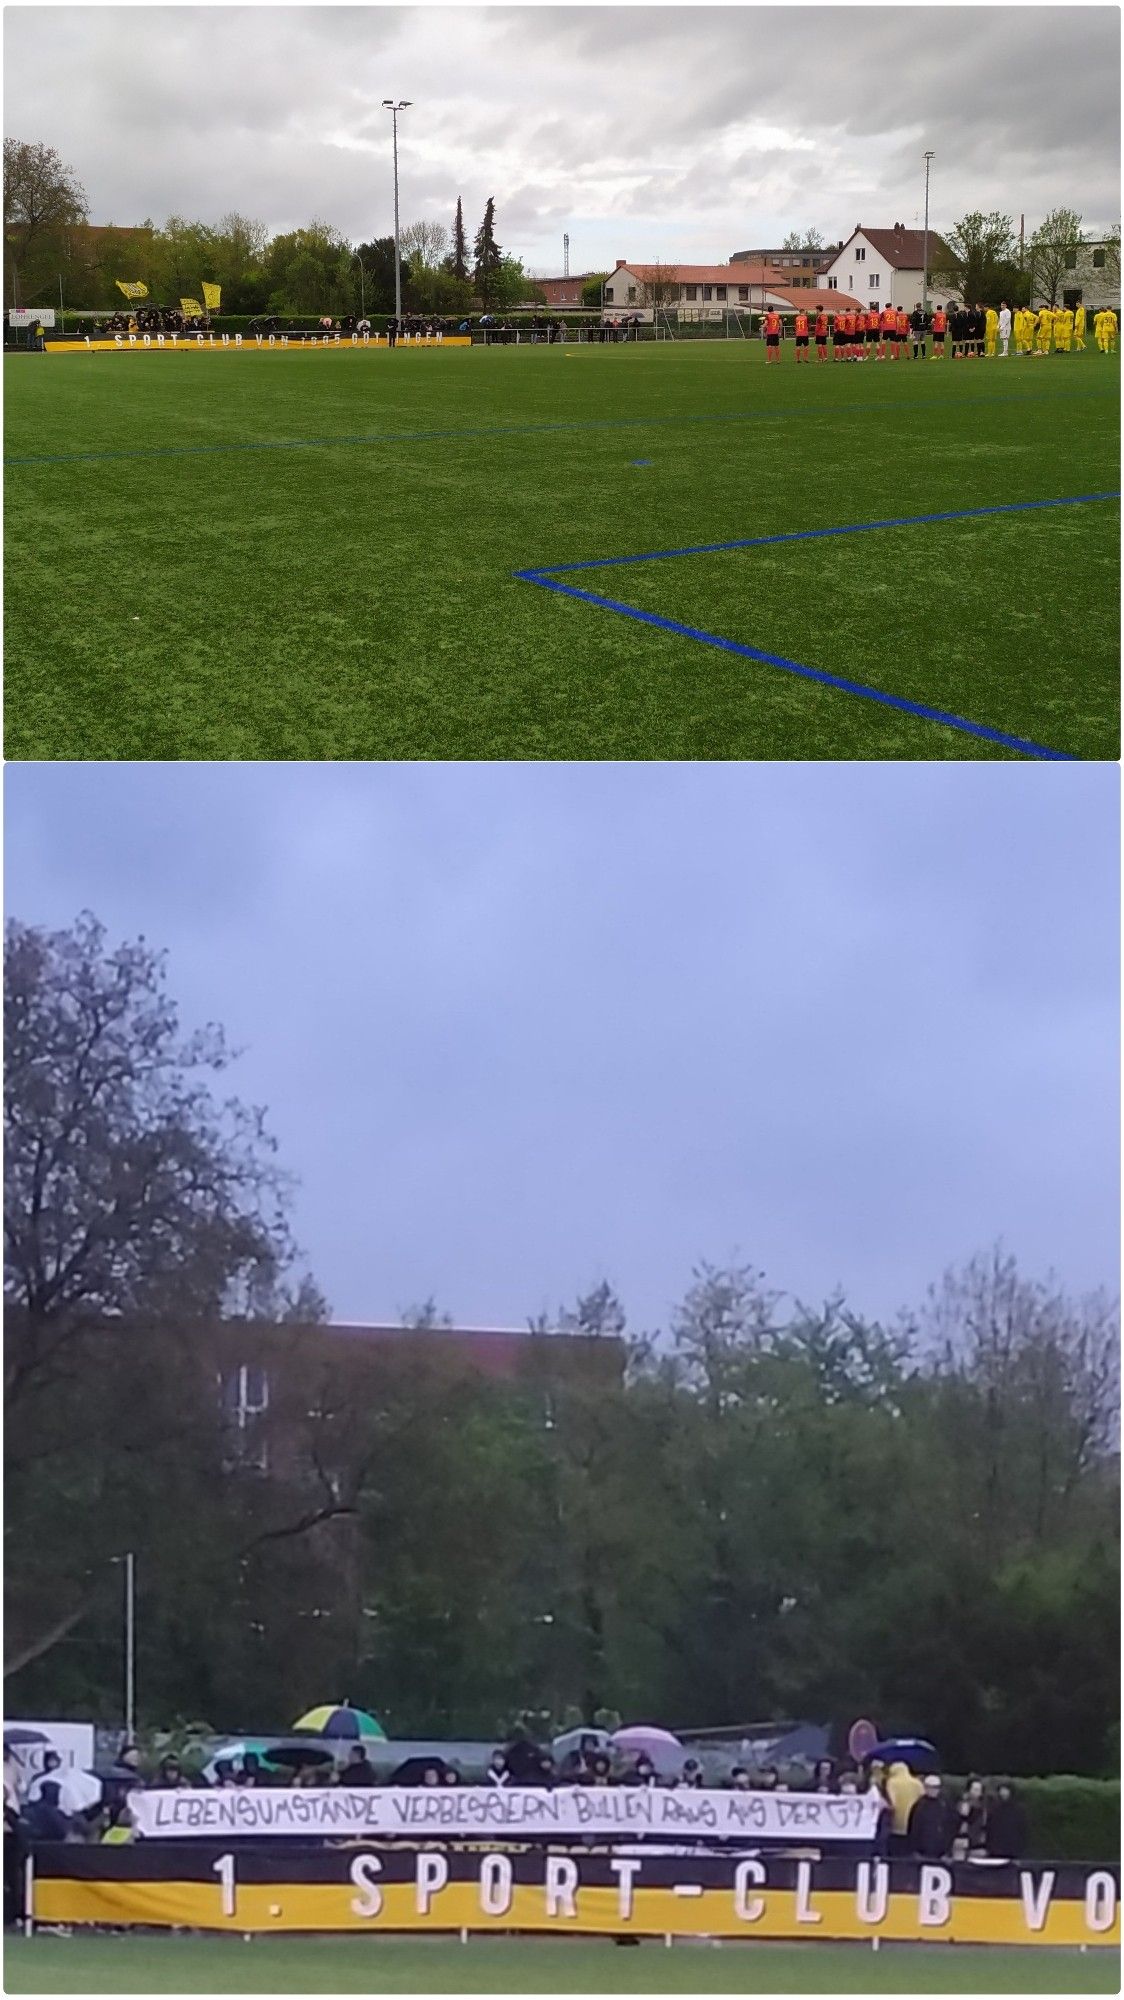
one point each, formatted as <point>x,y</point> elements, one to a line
<point>340,1719</point>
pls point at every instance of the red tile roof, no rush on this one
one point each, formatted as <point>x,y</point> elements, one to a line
<point>810,299</point>
<point>903,248</point>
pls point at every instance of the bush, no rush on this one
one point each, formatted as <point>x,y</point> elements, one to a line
<point>1069,1819</point>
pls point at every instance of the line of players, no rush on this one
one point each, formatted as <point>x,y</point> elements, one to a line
<point>966,331</point>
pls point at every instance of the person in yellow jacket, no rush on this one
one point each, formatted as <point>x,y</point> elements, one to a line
<point>1022,340</point>
<point>903,1789</point>
<point>1063,331</point>
<point>991,331</point>
<point>1044,328</point>
<point>1079,328</point>
<point>1110,332</point>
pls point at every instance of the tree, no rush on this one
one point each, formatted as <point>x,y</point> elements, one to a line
<point>41,196</point>
<point>807,239</point>
<point>659,286</point>
<point>378,265</point>
<point>424,244</point>
<point>487,257</point>
<point>138,1208</point>
<point>458,258</point>
<point>978,260</point>
<point>1052,251</point>
<point>593,288</point>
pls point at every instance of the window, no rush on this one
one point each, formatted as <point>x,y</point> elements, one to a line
<point>805,262</point>
<point>632,295</point>
<point>708,291</point>
<point>1098,258</point>
<point>860,256</point>
<point>743,293</point>
<point>874,281</point>
<point>690,291</point>
<point>245,1396</point>
<point>833,284</point>
<point>721,291</point>
<point>1071,260</point>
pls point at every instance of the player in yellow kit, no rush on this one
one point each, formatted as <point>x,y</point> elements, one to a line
<point>1110,331</point>
<point>1079,328</point>
<point>991,332</point>
<point>1063,332</point>
<point>1044,328</point>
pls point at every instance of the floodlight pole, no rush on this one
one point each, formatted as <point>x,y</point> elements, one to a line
<point>403,104</point>
<point>129,1562</point>
<point>925,243</point>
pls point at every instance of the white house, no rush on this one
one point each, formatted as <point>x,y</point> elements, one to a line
<point>882,267</point>
<point>707,291</point>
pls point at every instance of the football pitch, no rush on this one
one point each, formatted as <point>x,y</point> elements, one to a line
<point>658,551</point>
<point>154,1964</point>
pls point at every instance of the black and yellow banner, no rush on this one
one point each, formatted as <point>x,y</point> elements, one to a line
<point>133,289</point>
<point>392,1887</point>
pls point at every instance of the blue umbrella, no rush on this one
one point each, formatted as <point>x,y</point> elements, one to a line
<point>915,1751</point>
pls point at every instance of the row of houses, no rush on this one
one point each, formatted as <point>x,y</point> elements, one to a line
<point>873,268</point>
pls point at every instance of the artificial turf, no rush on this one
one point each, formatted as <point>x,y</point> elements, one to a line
<point>316,554</point>
<point>154,1964</point>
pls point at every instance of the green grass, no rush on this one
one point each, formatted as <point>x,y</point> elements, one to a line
<point>352,595</point>
<point>154,1964</point>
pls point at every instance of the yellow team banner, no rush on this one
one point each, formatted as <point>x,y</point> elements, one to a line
<point>133,289</point>
<point>192,308</point>
<point>213,296</point>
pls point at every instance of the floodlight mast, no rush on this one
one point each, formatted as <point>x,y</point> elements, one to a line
<point>925,243</point>
<point>394,107</point>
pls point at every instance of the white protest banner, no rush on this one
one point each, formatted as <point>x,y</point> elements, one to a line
<point>611,1812</point>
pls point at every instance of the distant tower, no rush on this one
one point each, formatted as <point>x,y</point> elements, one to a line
<point>566,255</point>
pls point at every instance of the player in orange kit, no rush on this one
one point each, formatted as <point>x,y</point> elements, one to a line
<point>822,330</point>
<point>800,329</point>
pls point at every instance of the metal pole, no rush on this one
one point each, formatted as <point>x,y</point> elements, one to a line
<point>397,257</point>
<point>60,303</point>
<point>130,1644</point>
<point>925,247</point>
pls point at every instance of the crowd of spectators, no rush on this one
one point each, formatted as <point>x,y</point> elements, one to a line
<point>919,1817</point>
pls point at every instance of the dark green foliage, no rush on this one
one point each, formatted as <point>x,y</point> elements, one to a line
<point>487,257</point>
<point>458,257</point>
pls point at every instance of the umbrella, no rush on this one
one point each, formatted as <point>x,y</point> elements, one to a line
<point>413,1771</point>
<point>581,1739</point>
<point>13,1738</point>
<point>78,1790</point>
<point>340,1719</point>
<point>911,1750</point>
<point>643,1736</point>
<point>276,1753</point>
<point>643,1740</point>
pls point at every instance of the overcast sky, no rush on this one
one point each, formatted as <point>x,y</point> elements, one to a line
<point>523,1027</point>
<point>680,132</point>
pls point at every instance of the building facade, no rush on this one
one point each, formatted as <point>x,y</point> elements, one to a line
<point>883,267</point>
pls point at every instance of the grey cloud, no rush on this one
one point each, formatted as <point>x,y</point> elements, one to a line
<point>194,110</point>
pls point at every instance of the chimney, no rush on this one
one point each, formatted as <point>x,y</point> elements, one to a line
<point>621,261</point>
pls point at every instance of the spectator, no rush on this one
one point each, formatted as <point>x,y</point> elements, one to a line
<point>432,1775</point>
<point>903,1789</point>
<point>883,1826</point>
<point>823,1776</point>
<point>643,1772</point>
<point>451,1775</point>
<point>740,1780</point>
<point>44,1817</point>
<point>848,1784</point>
<point>600,1769</point>
<point>497,1772</point>
<point>169,1775</point>
<point>969,1834</point>
<point>931,1822</point>
<point>1005,1825</point>
<point>693,1774</point>
<point>120,1828</point>
<point>768,1779</point>
<point>359,1769</point>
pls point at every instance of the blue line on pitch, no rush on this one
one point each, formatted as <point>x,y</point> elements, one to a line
<point>534,430</point>
<point>544,576</point>
<point>543,570</point>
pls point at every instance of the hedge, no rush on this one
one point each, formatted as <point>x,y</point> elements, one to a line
<point>1069,1819</point>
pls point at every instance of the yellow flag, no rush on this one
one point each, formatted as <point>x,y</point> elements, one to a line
<point>213,296</point>
<point>191,309</point>
<point>132,291</point>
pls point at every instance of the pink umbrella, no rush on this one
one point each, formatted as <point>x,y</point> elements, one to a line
<point>638,1734</point>
<point>644,1740</point>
